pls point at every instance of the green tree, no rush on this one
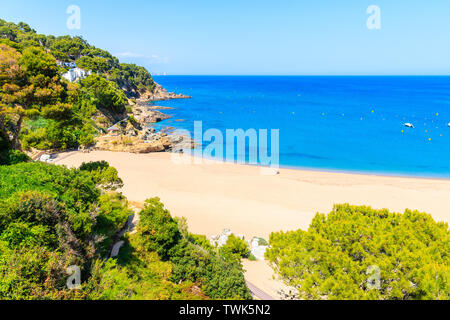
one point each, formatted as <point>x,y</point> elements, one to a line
<point>105,94</point>
<point>28,81</point>
<point>342,254</point>
<point>96,64</point>
<point>236,246</point>
<point>157,229</point>
<point>105,176</point>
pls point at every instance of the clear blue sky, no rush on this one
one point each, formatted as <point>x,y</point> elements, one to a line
<point>256,36</point>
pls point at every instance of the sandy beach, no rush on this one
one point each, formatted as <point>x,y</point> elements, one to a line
<point>216,196</point>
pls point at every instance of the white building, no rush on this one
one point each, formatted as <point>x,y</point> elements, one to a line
<point>76,74</point>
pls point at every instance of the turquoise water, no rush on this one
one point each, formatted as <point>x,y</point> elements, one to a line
<point>331,123</point>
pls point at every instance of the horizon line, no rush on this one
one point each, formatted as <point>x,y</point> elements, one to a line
<point>303,75</point>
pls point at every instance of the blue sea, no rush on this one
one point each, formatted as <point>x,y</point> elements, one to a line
<point>338,123</point>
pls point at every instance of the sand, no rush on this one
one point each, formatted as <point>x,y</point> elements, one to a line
<point>214,196</point>
<point>262,275</point>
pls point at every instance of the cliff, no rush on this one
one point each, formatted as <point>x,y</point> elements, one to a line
<point>159,94</point>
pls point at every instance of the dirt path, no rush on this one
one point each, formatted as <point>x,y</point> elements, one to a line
<point>130,227</point>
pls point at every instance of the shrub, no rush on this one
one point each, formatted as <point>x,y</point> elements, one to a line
<point>237,246</point>
<point>220,276</point>
<point>336,257</point>
<point>87,140</point>
<point>133,121</point>
<point>104,176</point>
<point>112,216</point>
<point>157,229</point>
<point>10,157</point>
<point>56,135</point>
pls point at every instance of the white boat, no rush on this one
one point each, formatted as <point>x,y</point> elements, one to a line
<point>409,125</point>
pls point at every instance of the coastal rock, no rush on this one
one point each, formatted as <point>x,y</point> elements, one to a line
<point>149,147</point>
<point>160,108</point>
<point>147,134</point>
<point>176,139</point>
<point>130,144</point>
<point>132,133</point>
<point>180,143</point>
<point>166,142</point>
<point>160,94</point>
<point>145,115</point>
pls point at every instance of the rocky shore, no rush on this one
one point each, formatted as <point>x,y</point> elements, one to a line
<point>145,141</point>
<point>134,133</point>
<point>159,94</point>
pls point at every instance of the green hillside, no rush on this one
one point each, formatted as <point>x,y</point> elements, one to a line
<point>52,218</point>
<point>42,110</point>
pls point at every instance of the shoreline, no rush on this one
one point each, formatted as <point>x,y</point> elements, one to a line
<point>224,195</point>
<point>343,171</point>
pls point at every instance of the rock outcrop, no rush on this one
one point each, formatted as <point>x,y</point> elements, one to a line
<point>144,142</point>
<point>127,137</point>
<point>160,94</point>
<point>146,115</point>
<point>132,133</point>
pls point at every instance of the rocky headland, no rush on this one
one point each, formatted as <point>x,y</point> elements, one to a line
<point>159,94</point>
<point>134,132</point>
<point>131,131</point>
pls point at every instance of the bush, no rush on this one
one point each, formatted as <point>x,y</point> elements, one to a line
<point>9,157</point>
<point>56,135</point>
<point>74,189</point>
<point>157,229</point>
<point>337,256</point>
<point>237,246</point>
<point>112,216</point>
<point>105,177</point>
<point>50,218</point>
<point>220,276</point>
<point>135,78</point>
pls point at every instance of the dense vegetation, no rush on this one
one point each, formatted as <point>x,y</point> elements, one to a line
<point>52,218</point>
<point>192,259</point>
<point>342,254</point>
<point>133,78</point>
<point>39,109</point>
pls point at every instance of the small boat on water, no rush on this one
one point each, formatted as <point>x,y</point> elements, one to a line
<point>409,125</point>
